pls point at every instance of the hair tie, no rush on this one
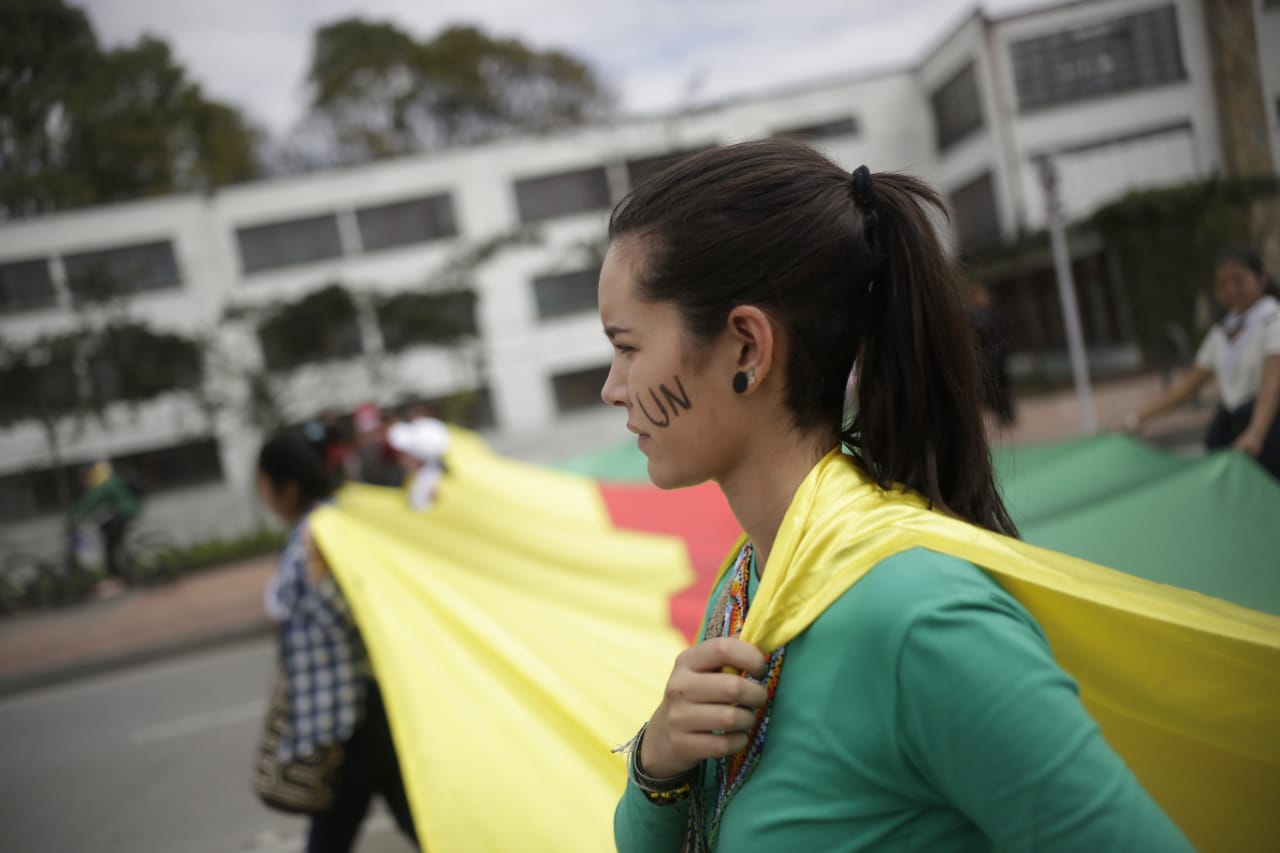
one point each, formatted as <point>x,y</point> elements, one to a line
<point>864,188</point>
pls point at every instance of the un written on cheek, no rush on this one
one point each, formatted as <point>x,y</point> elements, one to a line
<point>666,403</point>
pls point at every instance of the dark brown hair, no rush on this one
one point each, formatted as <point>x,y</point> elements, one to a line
<point>775,224</point>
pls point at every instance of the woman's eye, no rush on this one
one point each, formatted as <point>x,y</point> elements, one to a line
<point>623,349</point>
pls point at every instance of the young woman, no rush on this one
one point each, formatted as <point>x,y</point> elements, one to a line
<point>1243,354</point>
<point>333,698</point>
<point>918,708</point>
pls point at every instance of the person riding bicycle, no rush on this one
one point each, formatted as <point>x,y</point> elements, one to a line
<point>113,504</point>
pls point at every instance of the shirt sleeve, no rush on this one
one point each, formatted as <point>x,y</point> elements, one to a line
<point>1207,355</point>
<point>997,728</point>
<point>1271,337</point>
<point>640,826</point>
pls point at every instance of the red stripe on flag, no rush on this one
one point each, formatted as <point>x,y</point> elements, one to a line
<point>700,516</point>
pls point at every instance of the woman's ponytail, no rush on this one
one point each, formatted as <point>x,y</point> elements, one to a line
<point>917,389</point>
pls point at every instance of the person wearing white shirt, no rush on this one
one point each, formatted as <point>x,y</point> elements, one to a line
<point>1242,353</point>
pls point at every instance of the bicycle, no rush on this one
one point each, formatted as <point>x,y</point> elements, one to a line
<point>147,558</point>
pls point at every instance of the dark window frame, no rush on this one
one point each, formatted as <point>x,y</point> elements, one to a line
<point>16,288</point>
<point>846,125</point>
<point>566,294</point>
<point>557,194</point>
<point>957,107</point>
<point>281,250</point>
<point>975,210</point>
<point>406,222</point>
<point>98,274</point>
<point>579,390</point>
<point>1124,54</point>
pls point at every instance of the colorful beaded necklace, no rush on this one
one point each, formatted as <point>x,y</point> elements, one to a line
<point>732,771</point>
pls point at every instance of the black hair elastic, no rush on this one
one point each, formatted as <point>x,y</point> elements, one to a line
<point>864,188</point>
<point>864,196</point>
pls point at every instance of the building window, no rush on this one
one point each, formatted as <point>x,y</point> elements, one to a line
<point>843,126</point>
<point>405,223</point>
<point>566,293</point>
<point>562,194</point>
<point>1133,52</point>
<point>957,107</point>
<point>974,211</point>
<point>579,390</point>
<point>28,494</point>
<point>283,244</point>
<point>178,466</point>
<point>25,286</point>
<point>95,276</point>
<point>408,319</point>
<point>642,168</point>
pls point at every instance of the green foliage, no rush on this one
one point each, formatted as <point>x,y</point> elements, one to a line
<point>82,125</point>
<point>217,552</point>
<point>129,363</point>
<point>383,93</point>
<point>1163,243</point>
<point>124,362</point>
<point>321,326</point>
<point>413,318</point>
<point>39,380</point>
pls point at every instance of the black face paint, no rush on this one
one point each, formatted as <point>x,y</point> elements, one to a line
<point>674,400</point>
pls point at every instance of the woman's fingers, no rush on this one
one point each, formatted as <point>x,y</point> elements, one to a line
<point>716,688</point>
<point>715,655</point>
<point>708,719</point>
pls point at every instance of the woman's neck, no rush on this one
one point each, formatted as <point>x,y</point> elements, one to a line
<point>761,487</point>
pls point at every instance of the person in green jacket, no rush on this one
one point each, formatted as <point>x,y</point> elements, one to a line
<point>744,290</point>
<point>114,505</point>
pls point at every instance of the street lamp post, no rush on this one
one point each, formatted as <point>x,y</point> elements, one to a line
<point>1067,294</point>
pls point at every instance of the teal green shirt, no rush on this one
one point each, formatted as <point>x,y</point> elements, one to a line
<point>923,711</point>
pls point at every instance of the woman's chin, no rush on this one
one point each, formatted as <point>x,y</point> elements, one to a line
<point>665,478</point>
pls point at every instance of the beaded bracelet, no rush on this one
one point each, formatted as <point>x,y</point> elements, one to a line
<point>660,791</point>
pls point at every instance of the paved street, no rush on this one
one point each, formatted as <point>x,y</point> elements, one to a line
<point>153,759</point>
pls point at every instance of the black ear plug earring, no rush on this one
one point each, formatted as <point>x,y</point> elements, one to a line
<point>739,382</point>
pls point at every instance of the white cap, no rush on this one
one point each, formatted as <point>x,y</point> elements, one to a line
<point>425,439</point>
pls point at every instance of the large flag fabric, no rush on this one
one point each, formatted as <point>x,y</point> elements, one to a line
<point>524,626</point>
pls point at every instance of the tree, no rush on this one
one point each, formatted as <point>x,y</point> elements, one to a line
<point>81,125</point>
<point>381,93</point>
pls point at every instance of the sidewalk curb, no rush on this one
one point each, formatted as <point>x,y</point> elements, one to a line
<point>22,682</point>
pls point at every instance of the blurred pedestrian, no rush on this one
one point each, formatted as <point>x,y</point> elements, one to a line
<point>422,444</point>
<point>114,504</point>
<point>993,344</point>
<point>1242,352</point>
<point>374,459</point>
<point>333,702</point>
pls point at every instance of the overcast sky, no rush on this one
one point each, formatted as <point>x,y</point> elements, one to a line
<point>657,54</point>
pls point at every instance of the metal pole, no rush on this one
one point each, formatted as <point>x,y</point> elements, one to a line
<point>1067,295</point>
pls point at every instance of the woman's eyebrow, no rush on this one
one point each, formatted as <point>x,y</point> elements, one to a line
<point>612,332</point>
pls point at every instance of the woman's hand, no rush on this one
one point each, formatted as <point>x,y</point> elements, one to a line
<point>705,712</point>
<point>1249,443</point>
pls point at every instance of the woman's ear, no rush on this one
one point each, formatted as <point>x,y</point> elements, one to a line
<point>752,333</point>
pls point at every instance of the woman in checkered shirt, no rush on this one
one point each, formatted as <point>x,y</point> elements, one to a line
<point>332,695</point>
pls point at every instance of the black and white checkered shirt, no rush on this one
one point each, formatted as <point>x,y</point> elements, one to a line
<point>322,654</point>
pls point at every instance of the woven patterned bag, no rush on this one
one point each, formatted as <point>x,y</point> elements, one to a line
<point>302,785</point>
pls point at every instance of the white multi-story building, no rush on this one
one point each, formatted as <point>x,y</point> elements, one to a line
<point>1120,92</point>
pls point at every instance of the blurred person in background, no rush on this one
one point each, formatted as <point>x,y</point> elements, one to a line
<point>422,444</point>
<point>374,460</point>
<point>332,695</point>
<point>114,504</point>
<point>1242,352</point>
<point>993,344</point>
